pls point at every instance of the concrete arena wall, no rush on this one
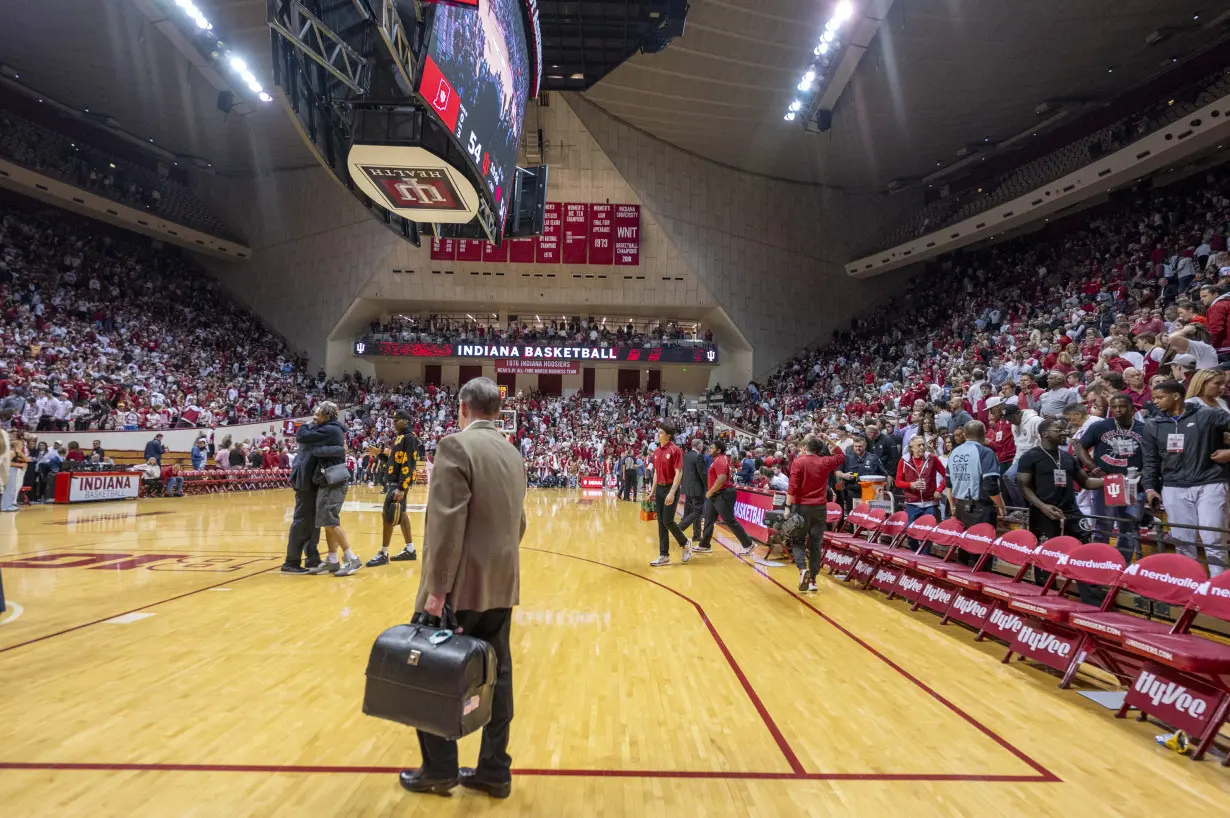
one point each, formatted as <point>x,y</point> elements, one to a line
<point>760,257</point>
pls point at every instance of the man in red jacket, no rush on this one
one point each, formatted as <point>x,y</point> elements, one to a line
<point>1217,318</point>
<point>808,495</point>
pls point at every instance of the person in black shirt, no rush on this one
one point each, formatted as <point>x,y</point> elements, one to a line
<point>1115,445</point>
<point>399,476</point>
<point>859,462</point>
<point>884,447</point>
<point>1046,475</point>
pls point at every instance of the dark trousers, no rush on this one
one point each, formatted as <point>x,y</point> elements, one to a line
<point>812,537</point>
<point>722,505</point>
<point>973,512</point>
<point>693,515</point>
<point>627,490</point>
<point>667,527</point>
<point>494,763</point>
<point>304,535</point>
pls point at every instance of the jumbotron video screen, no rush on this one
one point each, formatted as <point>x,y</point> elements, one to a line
<point>476,77</point>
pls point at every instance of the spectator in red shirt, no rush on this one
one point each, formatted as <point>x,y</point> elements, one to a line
<point>667,472</point>
<point>808,496</point>
<point>920,475</point>
<point>999,434</point>
<point>721,495</point>
<point>1217,318</point>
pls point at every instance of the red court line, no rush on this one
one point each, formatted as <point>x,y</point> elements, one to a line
<point>782,745</point>
<point>296,769</point>
<point>1043,772</point>
<point>135,610</point>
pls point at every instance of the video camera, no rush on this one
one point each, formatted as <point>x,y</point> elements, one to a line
<point>784,527</point>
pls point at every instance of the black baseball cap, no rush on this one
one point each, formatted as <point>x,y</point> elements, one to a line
<point>401,414</point>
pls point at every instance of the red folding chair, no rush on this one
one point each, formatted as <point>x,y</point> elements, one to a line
<point>917,567</point>
<point>972,606</point>
<point>1044,635</point>
<point>887,574</point>
<point>1168,578</point>
<point>869,554</point>
<point>938,593</point>
<point>832,513</point>
<point>1185,681</point>
<point>858,519</point>
<point>835,553</point>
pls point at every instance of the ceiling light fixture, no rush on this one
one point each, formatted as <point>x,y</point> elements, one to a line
<point>219,52</point>
<point>829,41</point>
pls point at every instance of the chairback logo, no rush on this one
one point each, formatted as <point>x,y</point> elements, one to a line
<point>1005,622</point>
<point>842,560</point>
<point>1043,642</point>
<point>911,585</point>
<point>1163,693</point>
<point>970,606</point>
<point>884,575</point>
<point>1005,544</point>
<point>934,593</point>
<point>1209,589</point>
<point>415,188</point>
<point>1161,576</point>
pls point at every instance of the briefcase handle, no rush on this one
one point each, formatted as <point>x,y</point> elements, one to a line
<point>447,620</point>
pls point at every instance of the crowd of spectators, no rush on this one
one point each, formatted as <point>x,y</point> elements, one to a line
<point>561,438</point>
<point>1119,305</point>
<point>53,154</point>
<point>101,330</point>
<point>441,329</point>
<point>1030,176</point>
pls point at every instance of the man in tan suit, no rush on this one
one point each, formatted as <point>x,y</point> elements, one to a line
<point>475,522</point>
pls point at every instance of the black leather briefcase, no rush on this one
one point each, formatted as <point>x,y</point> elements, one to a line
<point>431,678</point>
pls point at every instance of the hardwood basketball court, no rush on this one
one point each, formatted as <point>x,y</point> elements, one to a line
<point>154,662</point>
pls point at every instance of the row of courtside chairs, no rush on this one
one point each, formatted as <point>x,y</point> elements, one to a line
<point>1179,677</point>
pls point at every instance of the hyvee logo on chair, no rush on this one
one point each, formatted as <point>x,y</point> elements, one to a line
<point>1169,694</point>
<point>415,188</point>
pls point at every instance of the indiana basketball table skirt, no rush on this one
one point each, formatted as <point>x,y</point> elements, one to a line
<point>431,678</point>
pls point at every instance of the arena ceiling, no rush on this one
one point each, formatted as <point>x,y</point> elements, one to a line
<point>939,74</point>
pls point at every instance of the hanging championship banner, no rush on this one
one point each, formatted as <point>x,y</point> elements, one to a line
<point>601,230</point>
<point>627,235</point>
<point>547,245</point>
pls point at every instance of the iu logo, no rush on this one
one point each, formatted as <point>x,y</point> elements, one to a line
<point>413,191</point>
<point>1113,489</point>
<point>711,355</point>
<point>415,188</point>
<point>359,348</point>
<point>444,93</point>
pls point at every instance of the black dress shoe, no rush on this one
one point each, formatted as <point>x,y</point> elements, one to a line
<point>414,781</point>
<point>293,569</point>
<point>496,789</point>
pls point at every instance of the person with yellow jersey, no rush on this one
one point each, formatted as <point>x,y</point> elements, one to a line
<point>399,475</point>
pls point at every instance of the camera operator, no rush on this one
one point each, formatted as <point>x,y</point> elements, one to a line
<point>808,496</point>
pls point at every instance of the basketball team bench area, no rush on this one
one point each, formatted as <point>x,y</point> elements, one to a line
<point>161,665</point>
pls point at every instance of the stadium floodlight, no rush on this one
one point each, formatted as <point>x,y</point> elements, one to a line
<point>238,64</point>
<point>845,10</point>
<point>804,86</point>
<point>796,105</point>
<point>828,36</point>
<point>821,49</point>
<point>264,97</point>
<point>809,76</point>
<point>789,117</point>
